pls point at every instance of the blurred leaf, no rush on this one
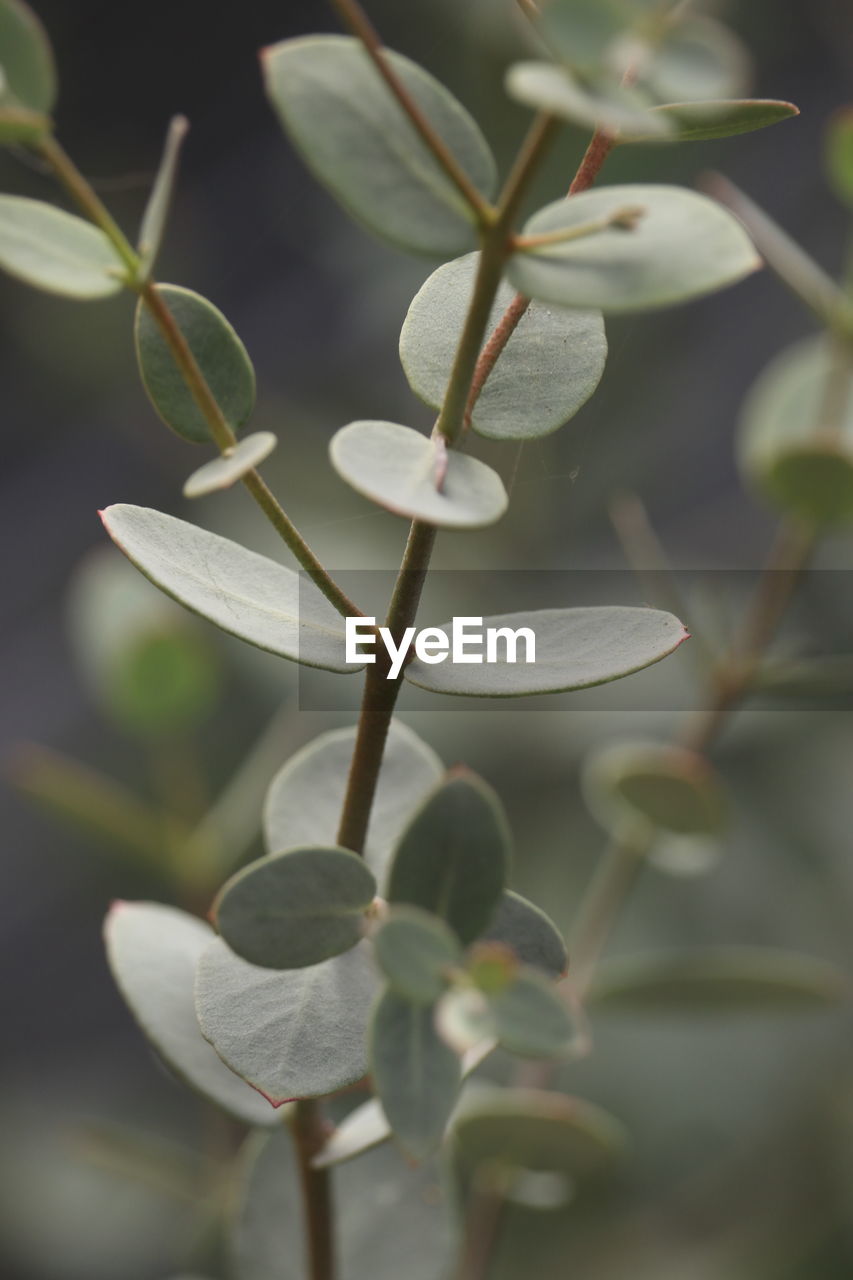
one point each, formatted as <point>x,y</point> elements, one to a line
<point>828,676</point>
<point>56,251</point>
<point>697,59</point>
<point>582,31</point>
<point>530,1019</point>
<point>549,368</point>
<point>153,951</point>
<point>295,909</point>
<point>464,1020</point>
<point>682,246</point>
<point>416,1075</point>
<point>219,353</point>
<point>670,787</point>
<point>612,107</point>
<point>222,472</point>
<point>164,683</point>
<point>721,118</point>
<point>358,141</point>
<point>305,798</point>
<point>365,1127</point>
<point>530,933</point>
<point>575,648</point>
<point>416,951</point>
<point>718,980</point>
<point>156,212</point>
<point>404,471</point>
<point>17,125</point>
<point>27,69</point>
<point>453,858</point>
<point>839,155</point>
<point>296,1033</point>
<point>247,595</point>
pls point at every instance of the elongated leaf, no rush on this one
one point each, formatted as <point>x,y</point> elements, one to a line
<point>720,118</point>
<point>549,368</point>
<point>56,251</point>
<point>838,155</point>
<point>157,210</point>
<point>222,472</point>
<point>293,1034</point>
<point>416,1075</point>
<point>682,246</point>
<point>530,1019</point>
<point>453,858</point>
<point>575,648</point>
<point>153,952</point>
<point>417,953</point>
<point>698,59</point>
<point>219,353</point>
<point>670,787</point>
<point>303,804</point>
<point>619,111</point>
<point>295,909</point>
<point>358,141</point>
<point>245,594</point>
<point>529,932</point>
<point>28,76</point>
<point>18,125</point>
<point>409,474</point>
<point>718,980</point>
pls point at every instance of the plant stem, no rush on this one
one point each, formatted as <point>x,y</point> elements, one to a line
<point>309,1135</point>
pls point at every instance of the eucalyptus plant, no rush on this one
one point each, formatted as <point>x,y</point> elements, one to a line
<point>379,938</point>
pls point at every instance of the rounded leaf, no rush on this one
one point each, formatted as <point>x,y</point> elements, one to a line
<point>56,251</point>
<point>529,933</point>
<point>669,787</point>
<point>614,108</point>
<point>417,952</point>
<point>582,32</point>
<point>153,952</point>
<point>549,368</point>
<point>416,477</point>
<point>235,463</point>
<point>530,1019</point>
<point>358,141</point>
<point>682,246</point>
<point>219,353</point>
<point>295,909</point>
<point>698,59</point>
<point>27,69</point>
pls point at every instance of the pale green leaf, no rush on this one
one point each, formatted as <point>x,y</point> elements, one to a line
<point>153,951</point>
<point>698,59</point>
<point>530,1018</point>
<point>218,351</point>
<point>417,477</point>
<point>838,154</point>
<point>682,246</point>
<point>27,70</point>
<point>719,118</point>
<point>529,932</point>
<point>549,368</point>
<point>575,649</point>
<point>56,251</point>
<point>297,908</point>
<point>618,110</point>
<point>464,1020</point>
<point>669,787</point>
<point>297,1033</point>
<point>417,952</point>
<point>583,31</point>
<point>156,212</point>
<point>235,463</point>
<point>247,595</point>
<point>358,141</point>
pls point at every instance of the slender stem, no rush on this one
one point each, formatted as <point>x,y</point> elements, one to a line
<point>356,20</point>
<point>616,874</point>
<point>82,192</point>
<point>309,1135</point>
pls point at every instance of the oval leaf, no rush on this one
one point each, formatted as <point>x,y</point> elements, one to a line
<point>530,934</point>
<point>358,141</point>
<point>530,1019</point>
<point>153,952</point>
<point>219,353</point>
<point>417,952</point>
<point>670,787</point>
<point>682,246</point>
<point>721,118</point>
<point>620,111</point>
<point>295,909</point>
<point>156,213</point>
<point>413,476</point>
<point>581,32</point>
<point>698,59</point>
<point>245,594</point>
<point>293,1034</point>
<point>27,69</point>
<point>56,251</point>
<point>549,368</point>
<point>575,649</point>
<point>235,463</point>
<point>453,859</point>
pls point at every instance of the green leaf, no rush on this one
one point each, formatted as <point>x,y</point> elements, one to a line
<point>463,1019</point>
<point>219,353</point>
<point>296,1033</point>
<point>297,908</point>
<point>530,1019</point>
<point>803,464</point>
<point>235,463</point>
<point>303,804</point>
<point>417,952</point>
<point>416,1075</point>
<point>245,594</point>
<point>670,787</point>
<point>157,210</point>
<point>720,118</point>
<point>19,126</point>
<point>153,951</point>
<point>838,155</point>
<point>682,246</point>
<point>358,141</point>
<point>27,70</point>
<point>56,251</point>
<point>718,980</point>
<point>582,31</point>
<point>575,649</point>
<point>417,477</point>
<point>549,368</point>
<point>698,59</point>
<point>364,1128</point>
<point>529,933</point>
<point>618,110</point>
<point>453,859</point>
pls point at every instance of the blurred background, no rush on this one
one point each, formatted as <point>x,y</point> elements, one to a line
<point>742,1160</point>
